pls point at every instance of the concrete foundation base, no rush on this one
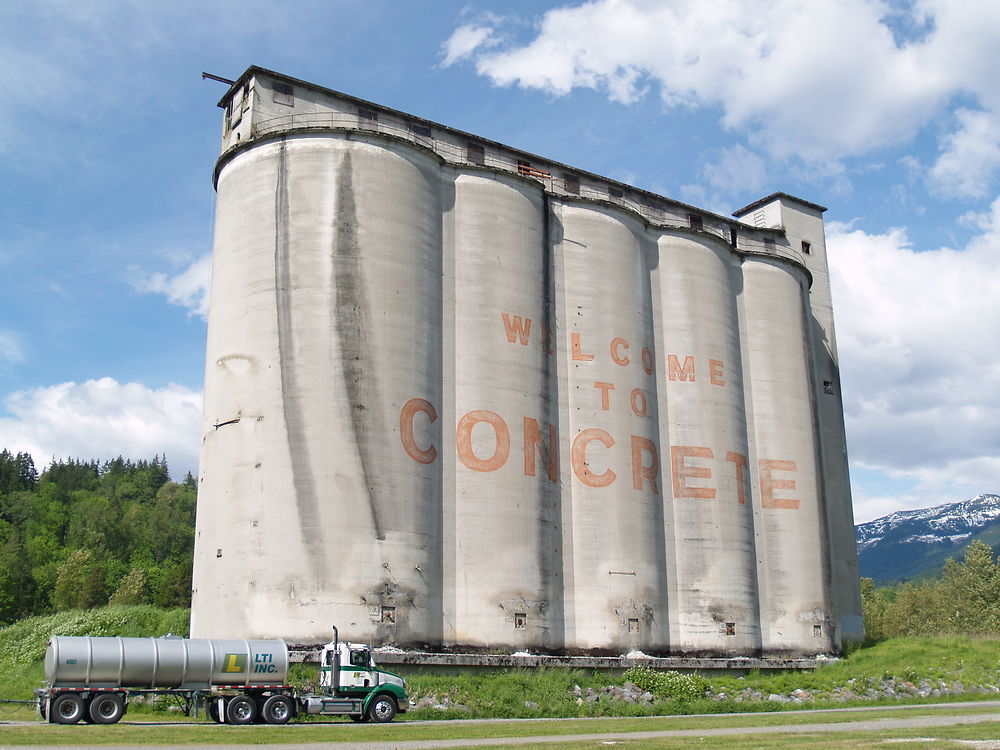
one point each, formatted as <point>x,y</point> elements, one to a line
<point>435,662</point>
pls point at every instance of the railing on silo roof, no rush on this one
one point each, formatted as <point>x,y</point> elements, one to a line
<point>655,212</point>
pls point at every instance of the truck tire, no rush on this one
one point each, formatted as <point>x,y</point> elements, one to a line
<point>241,709</point>
<point>382,709</point>
<point>214,711</point>
<point>277,709</point>
<point>67,709</point>
<point>106,708</point>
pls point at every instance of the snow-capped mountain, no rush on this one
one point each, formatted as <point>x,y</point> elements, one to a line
<point>910,543</point>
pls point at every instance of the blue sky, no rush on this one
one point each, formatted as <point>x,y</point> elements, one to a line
<point>887,112</point>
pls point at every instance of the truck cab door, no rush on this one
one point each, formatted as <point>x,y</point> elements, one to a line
<point>357,672</point>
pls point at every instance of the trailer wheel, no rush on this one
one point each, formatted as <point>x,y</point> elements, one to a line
<point>382,708</point>
<point>215,713</point>
<point>107,708</point>
<point>241,710</point>
<point>277,709</point>
<point>67,709</point>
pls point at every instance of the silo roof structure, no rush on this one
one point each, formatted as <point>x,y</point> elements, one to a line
<point>458,395</point>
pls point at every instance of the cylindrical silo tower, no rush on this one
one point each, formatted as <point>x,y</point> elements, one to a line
<point>326,322</point>
<point>507,550</point>
<point>783,450</point>
<point>613,488</point>
<point>710,534</point>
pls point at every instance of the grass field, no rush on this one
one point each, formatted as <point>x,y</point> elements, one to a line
<point>176,732</point>
<point>528,694</point>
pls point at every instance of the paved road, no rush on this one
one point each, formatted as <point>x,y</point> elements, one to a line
<point>861,725</point>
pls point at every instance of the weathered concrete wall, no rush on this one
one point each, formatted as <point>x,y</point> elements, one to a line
<point>452,403</point>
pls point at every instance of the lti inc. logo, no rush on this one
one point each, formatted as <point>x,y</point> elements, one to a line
<point>235,663</point>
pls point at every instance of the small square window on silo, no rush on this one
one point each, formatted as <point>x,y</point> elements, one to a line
<point>421,131</point>
<point>730,628</point>
<point>520,620</point>
<point>652,205</point>
<point>633,624</point>
<point>614,192</point>
<point>368,118</point>
<point>388,614</point>
<point>282,93</point>
<point>818,631</point>
<point>769,244</point>
<point>571,184</point>
<point>696,222</point>
<point>828,387</point>
<point>476,153</point>
<point>806,247</point>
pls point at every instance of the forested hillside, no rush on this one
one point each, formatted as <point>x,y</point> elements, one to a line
<point>85,533</point>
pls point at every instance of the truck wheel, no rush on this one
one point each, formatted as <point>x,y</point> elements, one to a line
<point>241,710</point>
<point>382,708</point>
<point>107,708</point>
<point>67,709</point>
<point>277,709</point>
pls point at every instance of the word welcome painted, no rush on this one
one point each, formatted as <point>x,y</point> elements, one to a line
<point>692,468</point>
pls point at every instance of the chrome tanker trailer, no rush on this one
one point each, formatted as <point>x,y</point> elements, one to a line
<point>237,682</point>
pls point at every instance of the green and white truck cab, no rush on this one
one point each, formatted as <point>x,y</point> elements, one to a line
<point>350,679</point>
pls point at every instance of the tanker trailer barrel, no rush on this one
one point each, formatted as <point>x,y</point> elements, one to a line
<point>87,661</point>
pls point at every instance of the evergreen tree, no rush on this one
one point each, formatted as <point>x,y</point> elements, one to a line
<point>17,472</point>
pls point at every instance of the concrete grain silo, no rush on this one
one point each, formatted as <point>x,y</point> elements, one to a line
<point>461,396</point>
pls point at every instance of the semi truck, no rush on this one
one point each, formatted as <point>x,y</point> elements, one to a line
<point>91,679</point>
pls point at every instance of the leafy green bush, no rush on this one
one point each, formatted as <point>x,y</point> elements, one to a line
<point>24,642</point>
<point>668,684</point>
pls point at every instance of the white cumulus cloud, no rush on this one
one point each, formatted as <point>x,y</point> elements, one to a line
<point>811,79</point>
<point>919,336</point>
<point>464,41</point>
<point>187,288</point>
<point>102,419</point>
<point>970,156</point>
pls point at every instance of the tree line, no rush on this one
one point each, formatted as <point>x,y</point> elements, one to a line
<point>964,600</point>
<point>85,533</point>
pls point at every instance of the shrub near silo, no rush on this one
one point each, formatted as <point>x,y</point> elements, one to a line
<point>670,684</point>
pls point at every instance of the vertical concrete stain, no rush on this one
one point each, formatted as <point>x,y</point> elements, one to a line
<point>550,555</point>
<point>294,408</point>
<point>354,336</point>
